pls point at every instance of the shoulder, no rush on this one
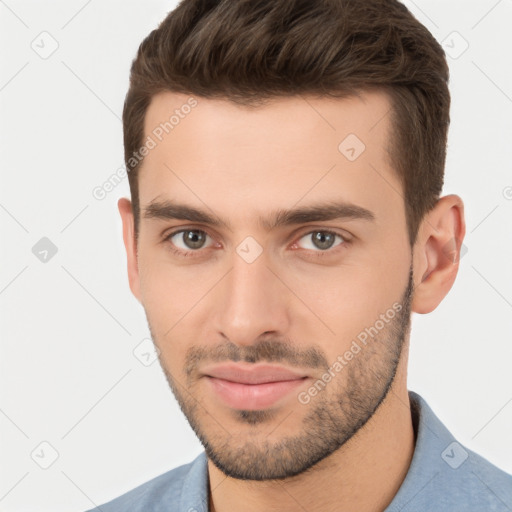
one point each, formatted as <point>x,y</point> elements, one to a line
<point>444,475</point>
<point>485,482</point>
<point>473,486</point>
<point>161,492</point>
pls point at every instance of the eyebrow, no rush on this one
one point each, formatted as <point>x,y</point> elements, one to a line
<point>168,210</point>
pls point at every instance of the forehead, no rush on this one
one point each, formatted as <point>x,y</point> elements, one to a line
<point>293,118</point>
<point>235,158</point>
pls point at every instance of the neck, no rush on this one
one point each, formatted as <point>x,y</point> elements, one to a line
<point>364,474</point>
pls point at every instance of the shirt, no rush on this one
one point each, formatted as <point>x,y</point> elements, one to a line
<point>443,476</point>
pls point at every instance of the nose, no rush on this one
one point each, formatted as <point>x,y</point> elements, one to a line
<point>251,301</point>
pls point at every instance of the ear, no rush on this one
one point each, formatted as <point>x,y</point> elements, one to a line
<point>125,209</point>
<point>436,253</point>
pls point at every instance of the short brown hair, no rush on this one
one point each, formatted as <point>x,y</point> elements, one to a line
<point>247,51</point>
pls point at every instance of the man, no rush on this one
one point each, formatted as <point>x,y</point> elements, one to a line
<point>286,163</point>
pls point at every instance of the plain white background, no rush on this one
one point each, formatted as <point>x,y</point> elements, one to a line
<point>69,326</point>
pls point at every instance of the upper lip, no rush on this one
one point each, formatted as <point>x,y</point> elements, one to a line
<point>252,373</point>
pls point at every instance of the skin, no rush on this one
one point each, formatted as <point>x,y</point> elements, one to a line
<point>240,164</point>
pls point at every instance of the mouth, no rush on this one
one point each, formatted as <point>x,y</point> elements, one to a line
<point>253,386</point>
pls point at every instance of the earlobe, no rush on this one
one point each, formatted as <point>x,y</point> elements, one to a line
<point>437,253</point>
<point>125,210</point>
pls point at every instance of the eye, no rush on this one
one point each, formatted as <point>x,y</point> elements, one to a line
<point>187,240</point>
<point>320,240</point>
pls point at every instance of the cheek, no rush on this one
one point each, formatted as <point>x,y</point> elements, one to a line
<point>166,315</point>
<point>168,291</point>
<point>347,299</point>
<point>171,297</point>
<point>346,302</point>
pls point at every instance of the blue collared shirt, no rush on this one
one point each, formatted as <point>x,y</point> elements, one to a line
<point>443,476</point>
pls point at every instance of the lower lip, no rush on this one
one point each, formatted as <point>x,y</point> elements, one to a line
<point>252,396</point>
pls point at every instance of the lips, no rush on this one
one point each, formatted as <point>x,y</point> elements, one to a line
<point>252,386</point>
<point>252,374</point>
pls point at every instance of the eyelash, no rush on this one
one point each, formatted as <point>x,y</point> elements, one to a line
<point>317,254</point>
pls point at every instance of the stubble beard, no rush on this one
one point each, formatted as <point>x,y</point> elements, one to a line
<point>335,414</point>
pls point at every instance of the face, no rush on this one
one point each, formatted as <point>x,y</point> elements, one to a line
<point>274,268</point>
